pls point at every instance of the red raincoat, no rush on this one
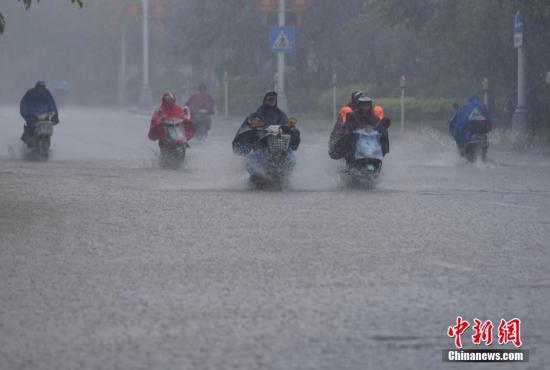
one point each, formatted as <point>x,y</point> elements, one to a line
<point>201,100</point>
<point>156,131</point>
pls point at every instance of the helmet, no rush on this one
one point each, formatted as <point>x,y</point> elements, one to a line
<point>364,104</point>
<point>364,99</point>
<point>356,95</point>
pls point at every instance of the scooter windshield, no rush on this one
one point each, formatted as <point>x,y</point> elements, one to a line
<point>368,144</point>
<point>173,130</point>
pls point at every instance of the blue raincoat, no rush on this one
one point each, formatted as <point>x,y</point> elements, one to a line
<point>35,102</point>
<point>459,125</point>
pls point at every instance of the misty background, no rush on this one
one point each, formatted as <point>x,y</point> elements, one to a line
<point>444,48</point>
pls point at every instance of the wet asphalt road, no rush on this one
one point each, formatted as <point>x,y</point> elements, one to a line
<point>109,262</point>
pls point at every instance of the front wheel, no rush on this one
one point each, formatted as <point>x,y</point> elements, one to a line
<point>172,157</point>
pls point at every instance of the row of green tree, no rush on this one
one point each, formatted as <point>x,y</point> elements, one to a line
<point>27,4</point>
<point>444,47</point>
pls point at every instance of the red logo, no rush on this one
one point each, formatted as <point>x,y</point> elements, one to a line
<point>508,332</point>
<point>483,332</point>
<point>457,330</point>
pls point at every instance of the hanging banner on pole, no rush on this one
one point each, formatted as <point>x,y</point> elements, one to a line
<point>282,39</point>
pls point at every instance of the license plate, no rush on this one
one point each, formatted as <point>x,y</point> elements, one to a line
<point>43,128</point>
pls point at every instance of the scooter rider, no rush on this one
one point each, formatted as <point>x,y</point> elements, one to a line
<point>36,101</point>
<point>169,109</point>
<point>342,138</point>
<point>267,114</point>
<point>459,125</point>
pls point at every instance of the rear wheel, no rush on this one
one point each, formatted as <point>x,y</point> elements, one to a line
<point>470,152</point>
<point>43,148</point>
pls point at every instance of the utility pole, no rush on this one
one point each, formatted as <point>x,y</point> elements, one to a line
<point>281,100</point>
<point>519,119</point>
<point>145,97</point>
<point>122,70</point>
<point>334,80</point>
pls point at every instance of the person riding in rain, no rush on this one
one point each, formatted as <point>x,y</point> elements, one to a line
<point>36,101</point>
<point>268,114</point>
<point>342,138</point>
<point>460,123</point>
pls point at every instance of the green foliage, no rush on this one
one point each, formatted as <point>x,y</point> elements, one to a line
<point>27,4</point>
<point>246,92</point>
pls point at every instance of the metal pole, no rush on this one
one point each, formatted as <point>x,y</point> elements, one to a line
<point>519,120</point>
<point>402,83</point>
<point>226,94</point>
<point>402,110</point>
<point>122,70</point>
<point>146,98</point>
<point>282,100</point>
<point>334,97</point>
<point>485,88</point>
<point>522,100</point>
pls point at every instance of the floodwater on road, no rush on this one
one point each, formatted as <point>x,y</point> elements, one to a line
<point>108,261</point>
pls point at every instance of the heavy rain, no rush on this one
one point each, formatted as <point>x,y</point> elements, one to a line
<point>274,184</point>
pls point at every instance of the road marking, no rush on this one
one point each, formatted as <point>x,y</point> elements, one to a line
<point>453,266</point>
<point>510,205</point>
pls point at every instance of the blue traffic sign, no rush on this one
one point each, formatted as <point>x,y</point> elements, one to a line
<point>518,30</point>
<point>518,23</point>
<point>282,39</point>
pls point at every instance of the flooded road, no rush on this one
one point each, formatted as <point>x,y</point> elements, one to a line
<point>108,261</point>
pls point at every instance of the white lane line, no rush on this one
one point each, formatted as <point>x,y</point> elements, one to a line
<point>510,205</point>
<point>453,266</point>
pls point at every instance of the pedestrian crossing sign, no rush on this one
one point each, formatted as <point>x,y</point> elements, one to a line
<point>282,39</point>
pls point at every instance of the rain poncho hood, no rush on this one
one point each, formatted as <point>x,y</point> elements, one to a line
<point>167,111</point>
<point>37,100</point>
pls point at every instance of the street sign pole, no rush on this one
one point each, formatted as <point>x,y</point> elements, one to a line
<point>146,97</point>
<point>519,119</point>
<point>282,100</point>
<point>226,95</point>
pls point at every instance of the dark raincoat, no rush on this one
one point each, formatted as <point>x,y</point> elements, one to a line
<point>35,102</point>
<point>246,137</point>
